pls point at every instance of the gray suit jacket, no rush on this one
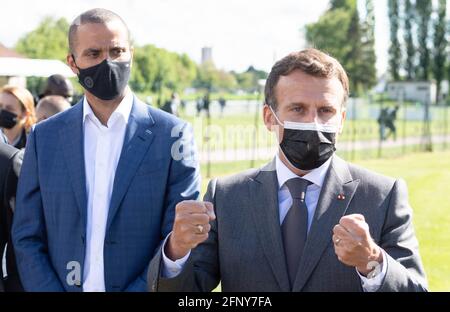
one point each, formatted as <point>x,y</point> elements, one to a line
<point>244,250</point>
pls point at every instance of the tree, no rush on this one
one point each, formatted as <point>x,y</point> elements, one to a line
<point>408,19</point>
<point>366,69</point>
<point>353,57</point>
<point>424,10</point>
<point>342,4</point>
<point>329,33</point>
<point>440,46</point>
<point>47,41</point>
<point>160,71</point>
<point>394,49</point>
<point>340,33</point>
<point>248,80</point>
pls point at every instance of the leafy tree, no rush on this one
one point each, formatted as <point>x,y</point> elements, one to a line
<point>424,10</point>
<point>408,17</point>
<point>340,33</point>
<point>394,49</point>
<point>47,41</point>
<point>440,46</point>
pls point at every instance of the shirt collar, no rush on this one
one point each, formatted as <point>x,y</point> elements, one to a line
<point>315,176</point>
<point>124,108</point>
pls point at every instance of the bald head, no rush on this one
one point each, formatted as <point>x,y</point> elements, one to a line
<point>51,105</point>
<point>94,16</point>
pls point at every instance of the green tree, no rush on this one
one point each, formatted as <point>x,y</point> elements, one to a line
<point>207,76</point>
<point>249,79</point>
<point>394,48</point>
<point>367,72</point>
<point>424,10</point>
<point>340,33</point>
<point>329,33</point>
<point>440,46</point>
<point>342,4</point>
<point>47,41</point>
<point>408,19</point>
<point>159,71</point>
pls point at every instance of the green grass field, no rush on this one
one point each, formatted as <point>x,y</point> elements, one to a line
<point>428,177</point>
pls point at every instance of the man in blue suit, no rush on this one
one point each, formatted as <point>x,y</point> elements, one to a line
<point>100,181</point>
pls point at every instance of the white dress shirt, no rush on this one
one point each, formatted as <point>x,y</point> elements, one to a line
<point>316,177</point>
<point>102,149</point>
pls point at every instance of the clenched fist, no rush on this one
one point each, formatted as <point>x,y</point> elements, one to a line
<point>353,244</point>
<point>190,228</point>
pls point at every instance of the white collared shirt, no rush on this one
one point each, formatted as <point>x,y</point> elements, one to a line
<point>102,149</point>
<point>315,176</point>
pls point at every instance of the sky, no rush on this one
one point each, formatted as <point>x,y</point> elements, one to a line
<point>240,32</point>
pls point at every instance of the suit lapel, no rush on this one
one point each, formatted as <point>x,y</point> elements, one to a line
<point>264,206</point>
<point>72,143</point>
<point>329,210</point>
<point>138,138</point>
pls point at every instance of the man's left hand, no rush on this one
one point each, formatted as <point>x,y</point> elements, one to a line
<point>353,244</point>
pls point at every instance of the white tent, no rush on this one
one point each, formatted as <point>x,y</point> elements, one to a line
<point>23,67</point>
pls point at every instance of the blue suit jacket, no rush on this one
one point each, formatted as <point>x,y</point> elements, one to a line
<point>49,228</point>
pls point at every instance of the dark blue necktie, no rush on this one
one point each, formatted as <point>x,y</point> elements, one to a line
<point>295,226</point>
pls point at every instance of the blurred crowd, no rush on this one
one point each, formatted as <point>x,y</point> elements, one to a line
<point>19,110</point>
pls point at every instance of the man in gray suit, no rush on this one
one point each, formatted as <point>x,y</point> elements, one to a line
<point>307,221</point>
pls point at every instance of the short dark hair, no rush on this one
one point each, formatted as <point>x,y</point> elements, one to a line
<point>94,16</point>
<point>310,61</point>
<point>58,85</point>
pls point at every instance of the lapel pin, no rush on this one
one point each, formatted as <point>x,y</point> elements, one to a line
<point>341,197</point>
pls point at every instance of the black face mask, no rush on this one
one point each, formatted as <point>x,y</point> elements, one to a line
<point>7,119</point>
<point>308,149</point>
<point>308,146</point>
<point>106,80</point>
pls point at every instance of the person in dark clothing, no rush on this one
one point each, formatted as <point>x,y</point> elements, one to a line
<point>390,122</point>
<point>199,105</point>
<point>382,118</point>
<point>222,103</point>
<point>58,85</point>
<point>10,163</point>
<point>206,102</point>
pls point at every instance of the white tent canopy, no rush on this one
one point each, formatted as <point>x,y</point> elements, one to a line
<point>23,67</point>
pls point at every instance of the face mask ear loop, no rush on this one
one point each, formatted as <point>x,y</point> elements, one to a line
<point>73,57</point>
<point>276,117</point>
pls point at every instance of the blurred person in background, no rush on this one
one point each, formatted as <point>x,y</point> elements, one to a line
<point>51,105</point>
<point>10,163</point>
<point>58,85</point>
<point>17,115</point>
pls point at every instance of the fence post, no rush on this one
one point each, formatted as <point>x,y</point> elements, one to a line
<point>428,146</point>
<point>380,140</point>
<point>446,107</point>
<point>405,118</point>
<point>255,129</point>
<point>353,130</point>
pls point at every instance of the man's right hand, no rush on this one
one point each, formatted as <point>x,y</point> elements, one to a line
<point>190,228</point>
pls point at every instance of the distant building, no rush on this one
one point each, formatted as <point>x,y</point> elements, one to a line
<point>207,55</point>
<point>417,91</point>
